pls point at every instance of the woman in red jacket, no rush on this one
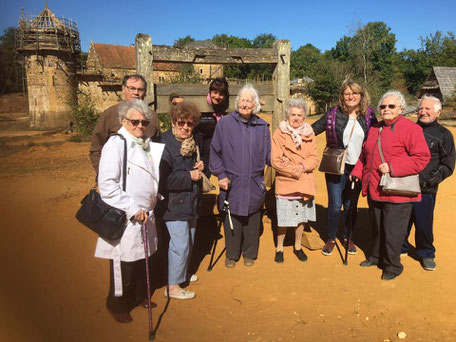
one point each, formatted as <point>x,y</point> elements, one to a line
<point>405,153</point>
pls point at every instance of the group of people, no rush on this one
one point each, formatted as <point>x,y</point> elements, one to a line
<point>165,171</point>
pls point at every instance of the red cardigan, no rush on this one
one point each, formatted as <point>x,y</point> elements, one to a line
<point>404,149</point>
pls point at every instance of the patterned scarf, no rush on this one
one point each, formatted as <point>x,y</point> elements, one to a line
<point>305,129</point>
<point>188,146</point>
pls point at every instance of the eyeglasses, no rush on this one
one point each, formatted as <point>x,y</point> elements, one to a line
<point>181,123</point>
<point>353,94</point>
<point>133,89</point>
<point>135,122</point>
<point>390,106</point>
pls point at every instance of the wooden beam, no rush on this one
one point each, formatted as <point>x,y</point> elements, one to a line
<point>144,59</point>
<point>281,81</point>
<point>214,56</point>
<point>196,93</point>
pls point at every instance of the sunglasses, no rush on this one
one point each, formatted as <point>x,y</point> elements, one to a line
<point>135,122</point>
<point>182,123</point>
<point>390,106</point>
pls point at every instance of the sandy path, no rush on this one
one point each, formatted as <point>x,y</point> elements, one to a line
<point>54,290</point>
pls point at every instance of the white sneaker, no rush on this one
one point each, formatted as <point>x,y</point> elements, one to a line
<point>182,294</point>
<point>194,278</point>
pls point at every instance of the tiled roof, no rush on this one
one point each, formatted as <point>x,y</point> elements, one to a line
<point>116,56</point>
<point>120,56</point>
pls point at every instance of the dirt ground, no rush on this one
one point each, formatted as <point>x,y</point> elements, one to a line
<point>53,289</point>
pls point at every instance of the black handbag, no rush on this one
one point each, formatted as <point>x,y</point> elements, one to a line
<point>108,222</point>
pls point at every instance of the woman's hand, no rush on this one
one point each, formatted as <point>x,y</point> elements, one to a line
<point>224,183</point>
<point>140,216</point>
<point>195,175</point>
<point>353,178</point>
<point>199,166</point>
<point>384,168</point>
<point>297,171</point>
<point>285,162</point>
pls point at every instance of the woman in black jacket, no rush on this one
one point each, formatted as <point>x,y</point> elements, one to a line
<point>180,185</point>
<point>346,126</point>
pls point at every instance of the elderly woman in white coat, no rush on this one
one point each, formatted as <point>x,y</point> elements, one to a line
<point>127,260</point>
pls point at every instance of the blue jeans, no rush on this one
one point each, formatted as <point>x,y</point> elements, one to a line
<point>423,218</point>
<point>339,192</point>
<point>182,236</point>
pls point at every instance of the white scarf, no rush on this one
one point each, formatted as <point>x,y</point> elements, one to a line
<point>305,129</point>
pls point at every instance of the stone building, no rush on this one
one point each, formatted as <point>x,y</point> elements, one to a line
<point>107,64</point>
<point>49,50</point>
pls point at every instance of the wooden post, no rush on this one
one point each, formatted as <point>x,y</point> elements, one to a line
<point>281,81</point>
<point>144,59</point>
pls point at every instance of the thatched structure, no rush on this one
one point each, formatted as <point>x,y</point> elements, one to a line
<point>440,83</point>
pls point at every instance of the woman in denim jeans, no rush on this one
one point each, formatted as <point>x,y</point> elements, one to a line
<point>346,126</point>
<point>180,185</point>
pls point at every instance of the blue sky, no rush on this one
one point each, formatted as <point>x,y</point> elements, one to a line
<point>320,23</point>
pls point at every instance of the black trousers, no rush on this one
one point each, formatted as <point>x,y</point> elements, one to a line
<point>133,285</point>
<point>244,237</point>
<point>389,223</point>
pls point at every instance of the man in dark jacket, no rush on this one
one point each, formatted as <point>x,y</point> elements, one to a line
<point>133,87</point>
<point>441,145</point>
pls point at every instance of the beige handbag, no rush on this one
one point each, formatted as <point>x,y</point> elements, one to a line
<point>206,183</point>
<point>401,186</point>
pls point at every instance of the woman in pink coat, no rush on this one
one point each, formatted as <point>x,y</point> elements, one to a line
<point>294,157</point>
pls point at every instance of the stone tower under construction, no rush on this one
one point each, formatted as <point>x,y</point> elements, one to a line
<point>50,50</point>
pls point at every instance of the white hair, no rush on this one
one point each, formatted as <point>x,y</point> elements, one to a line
<point>394,93</point>
<point>437,103</point>
<point>134,104</point>
<point>296,103</point>
<point>256,99</point>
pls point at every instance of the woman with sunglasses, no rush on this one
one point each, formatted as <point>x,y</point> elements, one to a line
<point>180,185</point>
<point>405,153</point>
<point>127,267</point>
<point>346,126</point>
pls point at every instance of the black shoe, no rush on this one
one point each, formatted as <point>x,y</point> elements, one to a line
<point>300,254</point>
<point>124,317</point>
<point>388,275</point>
<point>279,257</point>
<point>368,263</point>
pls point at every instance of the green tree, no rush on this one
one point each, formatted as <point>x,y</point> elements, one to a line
<point>324,90</point>
<point>85,114</point>
<point>371,51</point>
<point>303,61</point>
<point>181,42</point>
<point>436,50</point>
<point>10,80</point>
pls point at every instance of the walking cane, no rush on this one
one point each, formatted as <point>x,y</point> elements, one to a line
<point>146,255</point>
<point>225,211</point>
<point>350,217</point>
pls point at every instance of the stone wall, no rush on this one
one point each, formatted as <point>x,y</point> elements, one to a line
<point>51,88</point>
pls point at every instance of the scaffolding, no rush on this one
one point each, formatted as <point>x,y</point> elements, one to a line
<point>46,32</point>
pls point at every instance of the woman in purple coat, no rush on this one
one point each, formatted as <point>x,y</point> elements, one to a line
<point>240,149</point>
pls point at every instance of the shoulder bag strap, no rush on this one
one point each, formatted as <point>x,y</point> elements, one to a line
<point>124,166</point>
<point>379,142</point>
<point>351,133</point>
